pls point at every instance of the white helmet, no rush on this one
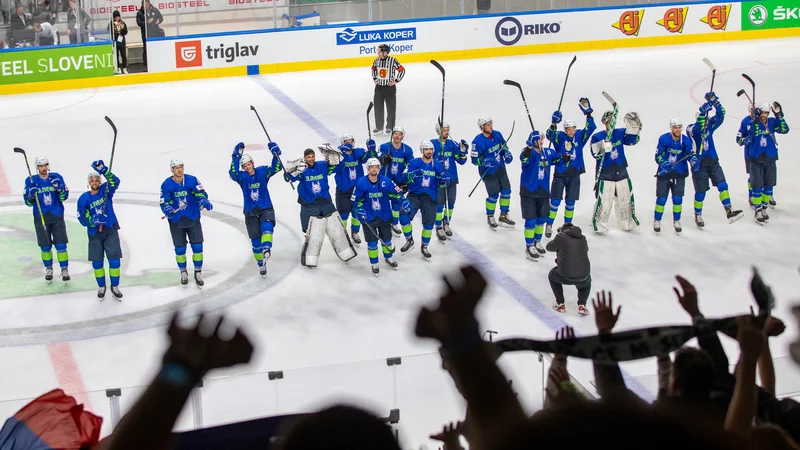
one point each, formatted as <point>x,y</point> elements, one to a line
<point>569,124</point>
<point>764,107</point>
<point>444,125</point>
<point>425,145</point>
<point>675,123</point>
<point>175,162</point>
<point>483,121</point>
<point>399,129</point>
<point>41,161</point>
<point>346,137</point>
<point>245,159</point>
<point>373,162</point>
<point>92,175</point>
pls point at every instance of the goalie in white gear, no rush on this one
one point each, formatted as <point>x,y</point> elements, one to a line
<point>614,185</point>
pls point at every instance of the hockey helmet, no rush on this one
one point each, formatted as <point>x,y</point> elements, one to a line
<point>399,129</point>
<point>373,162</point>
<point>607,116</point>
<point>92,175</point>
<point>569,124</point>
<point>483,121</point>
<point>245,159</point>
<point>346,137</point>
<point>675,123</point>
<point>175,162</point>
<point>444,125</point>
<point>41,161</point>
<point>764,107</point>
<point>425,145</point>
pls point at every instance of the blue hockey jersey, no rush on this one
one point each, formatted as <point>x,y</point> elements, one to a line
<point>350,169</point>
<point>452,155</point>
<point>564,145</point>
<point>484,148</point>
<point>376,198</point>
<point>182,199</point>
<point>254,187</point>
<point>313,182</point>
<point>535,178</point>
<point>90,204</point>
<point>677,152</point>
<point>429,181</point>
<point>50,199</point>
<point>614,163</point>
<point>704,140</point>
<point>763,147</point>
<point>400,159</point>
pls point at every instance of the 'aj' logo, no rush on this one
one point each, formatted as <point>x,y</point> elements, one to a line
<point>717,17</point>
<point>630,22</point>
<point>674,19</point>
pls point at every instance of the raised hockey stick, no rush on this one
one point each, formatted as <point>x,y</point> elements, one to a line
<point>564,89</point>
<point>711,89</point>
<point>753,84</point>
<point>741,93</point>
<point>369,127</point>
<point>441,133</point>
<point>36,198</point>
<point>525,103</point>
<point>110,163</point>
<point>513,124</point>
<point>610,126</point>
<point>285,174</point>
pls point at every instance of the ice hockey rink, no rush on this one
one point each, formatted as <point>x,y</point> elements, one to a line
<point>331,329</point>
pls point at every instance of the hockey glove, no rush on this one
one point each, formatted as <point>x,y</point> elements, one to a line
<point>633,122</point>
<point>386,160</point>
<point>694,162</point>
<point>371,145</point>
<point>445,180</point>
<point>32,192</point>
<point>566,157</point>
<point>507,156</point>
<point>204,203</point>
<point>237,151</point>
<point>361,215</point>
<point>526,153</point>
<point>346,147</point>
<point>491,162</point>
<point>557,116</point>
<point>56,183</point>
<point>711,97</point>
<point>100,167</point>
<point>274,149</point>
<point>585,106</point>
<point>665,167</point>
<point>777,110</point>
<point>706,107</point>
<point>533,138</point>
<point>99,219</point>
<point>405,206</point>
<point>418,173</point>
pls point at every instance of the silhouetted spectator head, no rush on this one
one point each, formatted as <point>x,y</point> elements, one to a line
<point>692,374</point>
<point>340,427</point>
<point>771,437</point>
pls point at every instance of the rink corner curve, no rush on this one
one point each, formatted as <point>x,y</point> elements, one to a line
<point>343,63</point>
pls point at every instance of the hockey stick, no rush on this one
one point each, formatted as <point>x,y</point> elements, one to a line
<point>285,174</point>
<point>742,92</point>
<point>369,127</point>
<point>513,124</point>
<point>611,125</point>
<point>110,163</point>
<point>564,89</point>
<point>705,123</point>
<point>441,133</point>
<point>36,197</point>
<point>518,86</point>
<point>753,84</point>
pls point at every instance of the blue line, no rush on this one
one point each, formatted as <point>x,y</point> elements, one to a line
<point>535,306</point>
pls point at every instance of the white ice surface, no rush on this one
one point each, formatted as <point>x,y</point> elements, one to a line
<point>331,328</point>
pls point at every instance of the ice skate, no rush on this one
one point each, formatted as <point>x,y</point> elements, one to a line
<point>559,307</point>
<point>492,223</point>
<point>698,220</point>
<point>376,269</point>
<point>539,248</point>
<point>505,221</point>
<point>677,225</point>
<point>733,215</point>
<point>48,274</point>
<point>116,293</point>
<point>531,253</point>
<point>440,235</point>
<point>396,230</point>
<point>101,293</point>
<point>548,230</point>
<point>184,277</point>
<point>760,217</point>
<point>198,278</point>
<point>265,254</point>
<point>262,270</point>
<point>583,310</point>
<point>426,255</point>
<point>407,246</point>
<point>772,203</point>
<point>764,211</point>
<point>447,231</point>
<point>391,263</point>
<point>65,274</point>
<point>657,226</point>
<point>356,238</point>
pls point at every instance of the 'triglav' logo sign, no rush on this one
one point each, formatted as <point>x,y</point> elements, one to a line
<point>630,22</point>
<point>717,17</point>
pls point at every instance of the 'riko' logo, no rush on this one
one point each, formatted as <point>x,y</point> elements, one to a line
<point>717,17</point>
<point>630,22</point>
<point>509,30</point>
<point>188,54</point>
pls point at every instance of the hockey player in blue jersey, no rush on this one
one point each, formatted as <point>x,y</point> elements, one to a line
<point>454,153</point>
<point>316,206</point>
<point>702,134</point>
<point>347,172</point>
<point>259,214</point>
<point>395,156</point>
<point>534,192</point>
<point>96,213</point>
<point>674,154</point>
<point>372,200</point>
<point>763,154</point>
<point>424,177</point>
<point>490,153</point>
<point>614,186</point>
<point>182,199</point>
<point>569,166</point>
<point>742,139</point>
<point>46,192</point>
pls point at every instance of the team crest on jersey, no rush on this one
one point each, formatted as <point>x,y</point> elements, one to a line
<point>614,154</point>
<point>568,146</point>
<point>541,173</point>
<point>763,141</point>
<point>315,187</point>
<point>376,204</point>
<point>352,173</point>
<point>426,182</point>
<point>48,199</point>
<point>673,159</point>
<point>394,169</point>
<point>254,195</point>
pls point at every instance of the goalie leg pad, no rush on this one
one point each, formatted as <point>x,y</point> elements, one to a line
<point>603,205</point>
<point>314,237</point>
<point>625,207</point>
<point>340,240</point>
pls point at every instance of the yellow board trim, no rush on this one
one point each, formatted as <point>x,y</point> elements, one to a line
<point>145,78</point>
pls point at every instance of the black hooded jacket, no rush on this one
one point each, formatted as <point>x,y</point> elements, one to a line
<point>572,253</point>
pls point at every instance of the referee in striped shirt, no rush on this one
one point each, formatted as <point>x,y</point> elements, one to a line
<point>386,73</point>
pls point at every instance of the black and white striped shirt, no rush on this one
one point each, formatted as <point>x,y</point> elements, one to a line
<point>387,70</point>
